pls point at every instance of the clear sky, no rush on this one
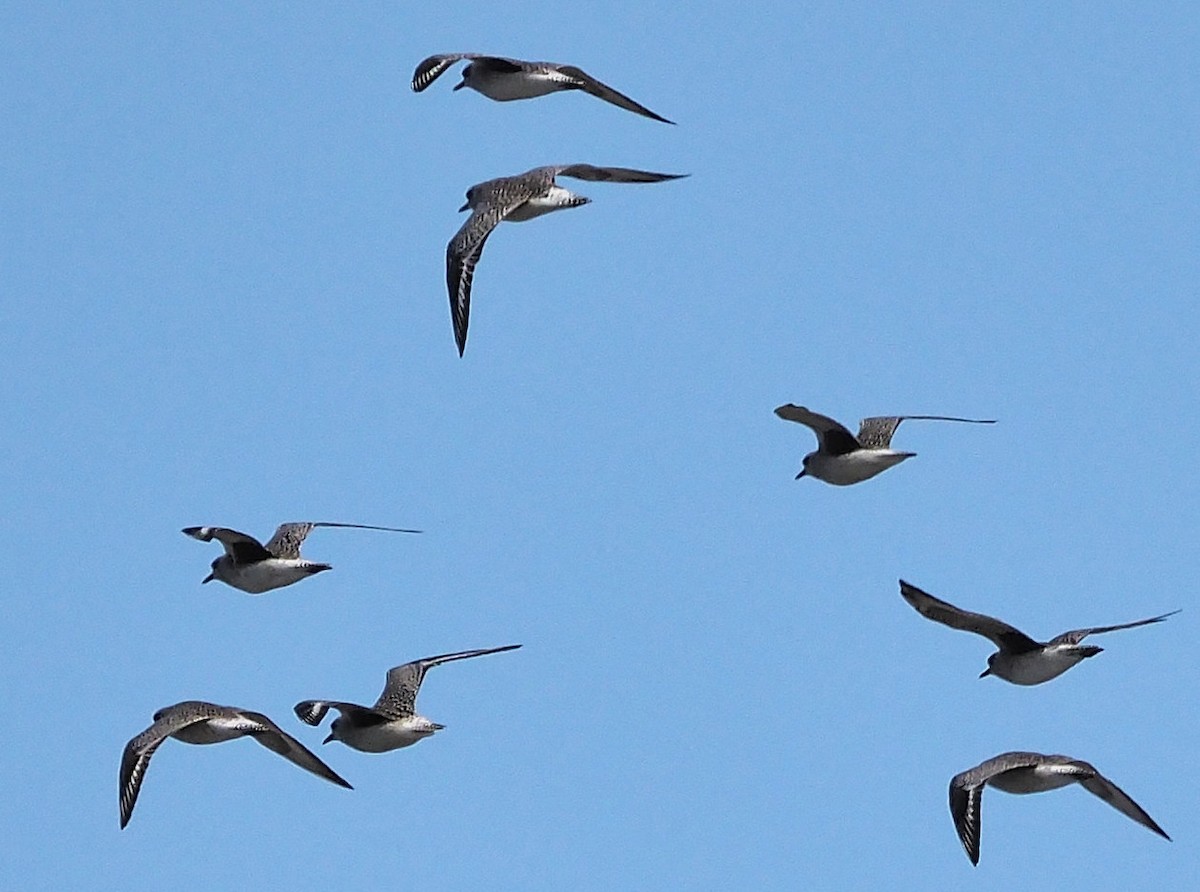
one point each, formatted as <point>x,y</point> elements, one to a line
<point>222,301</point>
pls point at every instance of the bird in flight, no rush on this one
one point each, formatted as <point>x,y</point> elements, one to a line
<point>1020,659</point>
<point>255,568</point>
<point>516,199</point>
<point>1031,773</point>
<point>392,722</point>
<point>842,458</point>
<point>506,79</point>
<point>195,721</point>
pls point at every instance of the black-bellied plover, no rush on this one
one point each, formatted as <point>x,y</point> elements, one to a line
<point>842,458</point>
<point>1031,773</point>
<point>255,568</point>
<point>195,721</point>
<point>505,79</point>
<point>1020,659</point>
<point>516,199</point>
<point>392,722</point>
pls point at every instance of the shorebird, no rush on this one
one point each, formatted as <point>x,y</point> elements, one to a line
<point>194,721</point>
<point>1031,773</point>
<point>255,568</point>
<point>506,79</point>
<point>842,458</point>
<point>516,198</point>
<point>1020,659</point>
<point>392,722</point>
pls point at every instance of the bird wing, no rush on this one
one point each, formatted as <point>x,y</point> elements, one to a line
<point>876,432</point>
<point>288,538</point>
<point>832,438</point>
<point>1076,635</point>
<point>596,174</point>
<point>965,803</point>
<point>434,67</point>
<point>279,741</point>
<point>136,757</point>
<point>581,80</point>
<point>312,712</point>
<point>464,251</point>
<point>1101,786</point>
<point>1000,633</point>
<point>242,548</point>
<point>399,695</point>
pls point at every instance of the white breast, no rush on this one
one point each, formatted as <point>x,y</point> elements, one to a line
<point>520,85</point>
<point>853,467</point>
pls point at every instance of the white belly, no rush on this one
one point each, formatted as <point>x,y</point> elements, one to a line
<point>263,576</point>
<point>1036,666</point>
<point>854,467</point>
<point>506,87</point>
<point>390,736</point>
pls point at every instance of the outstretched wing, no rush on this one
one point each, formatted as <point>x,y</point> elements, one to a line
<point>136,757</point>
<point>399,695</point>
<point>434,67</point>
<point>288,538</point>
<point>279,741</point>
<point>965,804</point>
<point>462,256</point>
<point>876,432</point>
<point>1076,635</point>
<point>242,548</point>
<point>1000,633</point>
<point>613,174</point>
<point>832,438</point>
<point>1101,786</point>
<point>581,80</point>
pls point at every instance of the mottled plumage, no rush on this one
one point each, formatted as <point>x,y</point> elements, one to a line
<point>255,568</point>
<point>516,198</point>
<point>199,722</point>
<point>842,458</point>
<point>506,79</point>
<point>392,722</point>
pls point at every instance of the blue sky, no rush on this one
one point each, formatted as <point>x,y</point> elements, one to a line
<point>223,303</point>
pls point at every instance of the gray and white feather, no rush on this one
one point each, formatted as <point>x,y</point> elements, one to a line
<point>200,722</point>
<point>842,458</point>
<point>392,722</point>
<point>255,568</point>
<point>1020,772</point>
<point>1019,658</point>
<point>507,79</point>
<point>516,199</point>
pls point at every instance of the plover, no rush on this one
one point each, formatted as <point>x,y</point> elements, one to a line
<point>842,458</point>
<point>516,198</point>
<point>255,568</point>
<point>1020,659</point>
<point>195,721</point>
<point>1031,773</point>
<point>506,79</point>
<point>392,722</point>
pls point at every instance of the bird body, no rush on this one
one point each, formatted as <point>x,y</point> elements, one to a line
<point>200,722</point>
<point>1024,773</point>
<point>843,459</point>
<point>505,80</point>
<point>1019,659</point>
<point>524,196</point>
<point>392,722</point>
<point>254,568</point>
